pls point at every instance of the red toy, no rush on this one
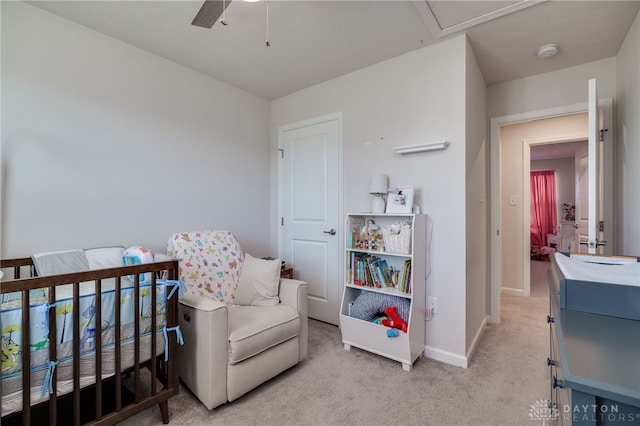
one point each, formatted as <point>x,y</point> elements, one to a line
<point>395,321</point>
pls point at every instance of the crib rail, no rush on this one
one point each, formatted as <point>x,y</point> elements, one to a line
<point>165,371</point>
<point>17,267</point>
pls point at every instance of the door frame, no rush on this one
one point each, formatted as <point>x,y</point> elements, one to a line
<point>496,192</point>
<point>340,228</point>
<point>526,195</point>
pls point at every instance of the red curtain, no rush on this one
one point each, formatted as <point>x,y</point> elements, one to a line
<point>543,206</point>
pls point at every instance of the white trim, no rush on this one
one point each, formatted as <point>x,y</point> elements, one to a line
<point>446,357</point>
<point>526,184</point>
<point>432,23</point>
<point>476,337</point>
<point>513,291</point>
<point>526,213</point>
<point>608,151</point>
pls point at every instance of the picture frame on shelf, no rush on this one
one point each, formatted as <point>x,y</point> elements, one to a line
<point>400,199</point>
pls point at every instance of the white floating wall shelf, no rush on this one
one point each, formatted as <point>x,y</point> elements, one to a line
<point>402,150</point>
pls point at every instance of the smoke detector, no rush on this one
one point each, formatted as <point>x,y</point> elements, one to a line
<point>548,50</point>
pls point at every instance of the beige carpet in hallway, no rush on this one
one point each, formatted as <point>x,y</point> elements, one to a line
<point>507,374</point>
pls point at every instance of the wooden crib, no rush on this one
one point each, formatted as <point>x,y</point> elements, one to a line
<point>101,397</point>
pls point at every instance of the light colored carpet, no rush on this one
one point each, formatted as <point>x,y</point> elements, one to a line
<point>508,373</point>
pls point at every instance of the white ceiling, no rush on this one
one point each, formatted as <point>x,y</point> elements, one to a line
<point>314,41</point>
<point>556,150</point>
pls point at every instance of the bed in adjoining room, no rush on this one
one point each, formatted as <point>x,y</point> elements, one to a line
<point>101,343</point>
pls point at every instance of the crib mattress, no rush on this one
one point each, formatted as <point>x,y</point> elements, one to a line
<point>11,319</point>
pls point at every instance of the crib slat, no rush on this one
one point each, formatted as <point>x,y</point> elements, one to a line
<point>76,354</point>
<point>136,345</point>
<point>153,333</point>
<point>53,355</point>
<point>172,321</point>
<point>118,359</point>
<point>26,361</point>
<point>98,347</point>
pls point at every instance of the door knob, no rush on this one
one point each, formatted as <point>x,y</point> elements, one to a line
<point>330,231</point>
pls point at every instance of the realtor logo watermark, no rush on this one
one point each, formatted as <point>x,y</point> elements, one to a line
<point>545,411</point>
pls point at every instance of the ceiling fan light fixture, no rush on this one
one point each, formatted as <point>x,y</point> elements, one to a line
<point>548,50</point>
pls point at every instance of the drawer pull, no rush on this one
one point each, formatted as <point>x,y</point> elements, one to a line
<point>550,319</point>
<point>557,383</point>
<point>550,362</point>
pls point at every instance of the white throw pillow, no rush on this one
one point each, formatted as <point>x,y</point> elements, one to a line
<point>259,282</point>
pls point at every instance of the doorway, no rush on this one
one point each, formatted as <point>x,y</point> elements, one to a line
<point>516,198</point>
<point>310,208</point>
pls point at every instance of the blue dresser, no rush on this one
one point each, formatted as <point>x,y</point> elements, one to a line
<point>594,362</point>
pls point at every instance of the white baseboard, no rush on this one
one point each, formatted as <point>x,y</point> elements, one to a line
<point>456,359</point>
<point>476,338</point>
<point>445,356</point>
<point>515,291</point>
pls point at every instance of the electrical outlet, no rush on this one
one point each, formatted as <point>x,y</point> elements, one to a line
<point>432,305</point>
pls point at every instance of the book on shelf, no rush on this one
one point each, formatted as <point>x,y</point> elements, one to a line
<point>368,270</point>
<point>406,276</point>
<point>363,270</point>
<point>354,225</point>
<point>371,268</point>
<point>383,272</point>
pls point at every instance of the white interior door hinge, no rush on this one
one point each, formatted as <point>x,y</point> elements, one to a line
<point>281,152</point>
<point>602,134</point>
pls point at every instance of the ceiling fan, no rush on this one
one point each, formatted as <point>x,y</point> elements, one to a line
<point>210,12</point>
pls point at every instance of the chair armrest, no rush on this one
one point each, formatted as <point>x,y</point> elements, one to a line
<point>202,303</point>
<point>294,293</point>
<point>204,355</point>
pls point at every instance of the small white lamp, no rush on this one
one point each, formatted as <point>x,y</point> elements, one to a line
<point>378,187</point>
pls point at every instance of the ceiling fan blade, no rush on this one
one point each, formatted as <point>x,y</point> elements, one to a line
<point>209,13</point>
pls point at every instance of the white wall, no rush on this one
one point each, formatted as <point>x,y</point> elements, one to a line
<point>415,98</point>
<point>628,146</point>
<point>476,206</point>
<point>103,143</point>
<point>554,89</point>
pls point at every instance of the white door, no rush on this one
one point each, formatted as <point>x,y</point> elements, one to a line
<point>310,191</point>
<point>589,212</point>
<point>581,232</point>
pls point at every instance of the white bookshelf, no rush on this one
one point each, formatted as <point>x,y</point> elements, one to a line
<point>406,347</point>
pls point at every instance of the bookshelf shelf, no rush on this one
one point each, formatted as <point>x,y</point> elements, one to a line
<point>370,286</point>
<point>374,252</point>
<point>391,291</point>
